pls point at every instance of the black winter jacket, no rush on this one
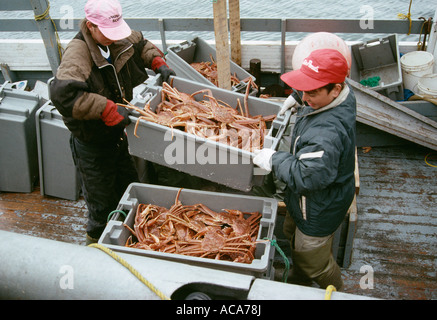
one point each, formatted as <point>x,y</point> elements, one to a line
<point>85,80</point>
<point>319,169</point>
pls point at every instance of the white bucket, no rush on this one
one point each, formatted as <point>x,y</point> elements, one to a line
<point>415,65</point>
<point>427,86</point>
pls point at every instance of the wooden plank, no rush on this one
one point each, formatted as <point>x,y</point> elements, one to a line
<point>350,234</point>
<point>43,216</point>
<point>382,113</point>
<point>397,225</point>
<point>234,24</point>
<point>357,173</point>
<point>222,44</point>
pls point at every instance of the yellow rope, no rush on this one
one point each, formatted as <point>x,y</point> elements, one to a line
<point>407,16</point>
<point>130,268</point>
<point>44,16</point>
<point>328,292</point>
<point>426,161</point>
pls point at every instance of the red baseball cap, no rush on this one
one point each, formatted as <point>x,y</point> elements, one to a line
<point>320,68</point>
<point>107,15</point>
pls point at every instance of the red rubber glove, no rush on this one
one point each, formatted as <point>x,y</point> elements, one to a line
<point>115,115</point>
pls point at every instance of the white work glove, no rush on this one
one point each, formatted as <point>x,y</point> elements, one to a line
<point>289,103</point>
<point>263,158</point>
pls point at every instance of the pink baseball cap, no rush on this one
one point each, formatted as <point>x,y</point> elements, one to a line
<point>320,68</point>
<point>107,15</point>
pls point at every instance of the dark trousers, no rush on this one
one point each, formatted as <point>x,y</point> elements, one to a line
<point>106,172</point>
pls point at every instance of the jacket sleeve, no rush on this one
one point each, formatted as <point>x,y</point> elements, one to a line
<point>148,51</point>
<point>69,91</point>
<point>314,166</point>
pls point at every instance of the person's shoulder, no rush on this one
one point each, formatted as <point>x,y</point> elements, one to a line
<point>76,58</point>
<point>135,37</point>
<point>77,46</point>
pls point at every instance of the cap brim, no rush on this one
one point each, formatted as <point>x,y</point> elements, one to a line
<point>296,79</point>
<point>120,32</point>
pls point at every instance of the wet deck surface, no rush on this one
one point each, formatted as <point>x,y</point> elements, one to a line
<point>42,216</point>
<point>396,234</point>
<point>397,224</point>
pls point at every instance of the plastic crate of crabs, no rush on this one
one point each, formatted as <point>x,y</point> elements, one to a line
<point>219,230</point>
<point>196,60</point>
<point>205,131</point>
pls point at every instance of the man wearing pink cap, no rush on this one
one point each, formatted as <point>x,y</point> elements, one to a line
<point>319,169</point>
<point>100,68</point>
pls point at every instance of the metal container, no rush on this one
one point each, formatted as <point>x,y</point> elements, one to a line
<point>115,234</point>
<point>216,162</point>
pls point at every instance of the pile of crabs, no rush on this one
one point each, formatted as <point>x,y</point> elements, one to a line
<point>196,230</point>
<point>209,71</point>
<point>207,117</point>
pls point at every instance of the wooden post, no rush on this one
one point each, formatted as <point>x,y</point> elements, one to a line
<point>222,44</point>
<point>255,70</point>
<point>235,30</point>
<point>48,32</point>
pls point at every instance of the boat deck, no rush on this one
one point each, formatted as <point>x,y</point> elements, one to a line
<point>397,224</point>
<point>396,234</point>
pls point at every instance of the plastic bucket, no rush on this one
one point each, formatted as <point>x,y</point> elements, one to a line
<point>427,86</point>
<point>415,65</point>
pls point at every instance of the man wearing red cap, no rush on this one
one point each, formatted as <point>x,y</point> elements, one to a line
<point>319,169</point>
<point>100,68</point>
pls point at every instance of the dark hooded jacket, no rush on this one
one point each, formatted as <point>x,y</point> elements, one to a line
<point>319,169</point>
<point>85,80</point>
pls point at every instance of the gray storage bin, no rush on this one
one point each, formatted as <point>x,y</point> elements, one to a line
<point>18,147</point>
<point>115,234</point>
<point>210,160</point>
<point>379,58</point>
<point>58,174</point>
<point>180,57</point>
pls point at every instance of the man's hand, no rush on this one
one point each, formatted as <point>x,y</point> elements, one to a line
<point>263,159</point>
<point>114,115</point>
<point>289,103</point>
<point>165,72</point>
<point>159,66</point>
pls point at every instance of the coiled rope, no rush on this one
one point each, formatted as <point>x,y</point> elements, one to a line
<point>45,15</point>
<point>125,264</point>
